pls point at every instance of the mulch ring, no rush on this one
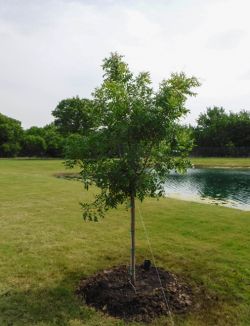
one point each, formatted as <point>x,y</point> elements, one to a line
<point>111,292</point>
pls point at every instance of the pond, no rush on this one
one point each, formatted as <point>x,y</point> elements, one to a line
<point>227,187</point>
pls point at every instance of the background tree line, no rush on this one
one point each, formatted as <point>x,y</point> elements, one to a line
<point>217,132</point>
<point>71,119</point>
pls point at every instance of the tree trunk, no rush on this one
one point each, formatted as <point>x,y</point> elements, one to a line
<point>132,265</point>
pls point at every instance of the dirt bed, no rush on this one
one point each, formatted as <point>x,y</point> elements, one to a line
<point>112,292</point>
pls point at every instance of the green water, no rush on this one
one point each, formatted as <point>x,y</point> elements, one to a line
<point>229,187</point>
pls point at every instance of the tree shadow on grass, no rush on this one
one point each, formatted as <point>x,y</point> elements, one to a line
<point>55,305</point>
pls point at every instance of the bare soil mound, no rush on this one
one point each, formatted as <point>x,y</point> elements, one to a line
<point>112,292</point>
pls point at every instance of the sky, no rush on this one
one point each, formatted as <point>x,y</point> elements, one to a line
<point>53,49</point>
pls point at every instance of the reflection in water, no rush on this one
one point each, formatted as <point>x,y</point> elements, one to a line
<point>228,186</point>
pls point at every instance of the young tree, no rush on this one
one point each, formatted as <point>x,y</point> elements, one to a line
<point>137,142</point>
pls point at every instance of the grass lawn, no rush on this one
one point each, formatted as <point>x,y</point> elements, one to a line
<point>229,162</point>
<point>45,248</point>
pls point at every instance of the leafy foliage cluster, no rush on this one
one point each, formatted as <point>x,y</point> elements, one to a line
<point>10,133</point>
<point>220,133</point>
<point>46,141</point>
<point>72,116</point>
<point>135,140</point>
<point>35,141</point>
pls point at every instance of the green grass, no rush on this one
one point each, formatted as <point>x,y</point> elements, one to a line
<point>46,248</point>
<point>221,162</point>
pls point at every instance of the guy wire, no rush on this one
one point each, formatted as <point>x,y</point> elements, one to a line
<point>153,258</point>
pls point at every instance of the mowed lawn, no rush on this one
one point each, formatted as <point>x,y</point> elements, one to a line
<point>46,248</point>
<point>227,162</point>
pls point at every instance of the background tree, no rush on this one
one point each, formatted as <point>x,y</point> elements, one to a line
<point>33,145</point>
<point>211,127</point>
<point>219,133</point>
<point>51,145</point>
<point>72,116</point>
<point>11,134</point>
<point>239,128</point>
<point>55,142</point>
<point>137,142</point>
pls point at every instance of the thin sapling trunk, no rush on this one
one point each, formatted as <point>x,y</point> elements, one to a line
<point>132,265</point>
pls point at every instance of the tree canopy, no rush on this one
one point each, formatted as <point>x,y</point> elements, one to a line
<point>72,116</point>
<point>220,133</point>
<point>43,141</point>
<point>137,140</point>
<point>10,136</point>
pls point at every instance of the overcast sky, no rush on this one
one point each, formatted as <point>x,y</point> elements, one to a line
<point>53,49</point>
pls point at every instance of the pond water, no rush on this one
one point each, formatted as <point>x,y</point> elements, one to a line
<point>228,187</point>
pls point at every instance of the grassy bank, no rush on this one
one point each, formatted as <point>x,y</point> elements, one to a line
<point>228,162</point>
<point>45,248</point>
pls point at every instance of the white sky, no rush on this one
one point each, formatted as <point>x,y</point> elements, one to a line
<point>53,49</point>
